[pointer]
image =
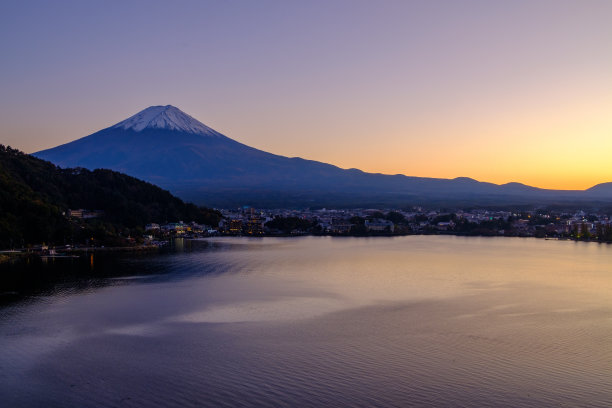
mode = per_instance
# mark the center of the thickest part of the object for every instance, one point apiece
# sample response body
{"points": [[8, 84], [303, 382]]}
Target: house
{"points": [[445, 225], [340, 226], [379, 225]]}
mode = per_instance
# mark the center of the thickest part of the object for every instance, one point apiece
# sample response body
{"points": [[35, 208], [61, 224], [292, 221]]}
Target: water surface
{"points": [[320, 321]]}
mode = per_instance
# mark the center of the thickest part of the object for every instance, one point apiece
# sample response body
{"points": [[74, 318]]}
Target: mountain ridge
{"points": [[167, 147]]}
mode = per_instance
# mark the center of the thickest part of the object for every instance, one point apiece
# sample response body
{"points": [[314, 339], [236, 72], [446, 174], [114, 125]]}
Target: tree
{"points": [[357, 220], [288, 224], [396, 217], [575, 232], [35, 195], [608, 232], [600, 232], [584, 231]]}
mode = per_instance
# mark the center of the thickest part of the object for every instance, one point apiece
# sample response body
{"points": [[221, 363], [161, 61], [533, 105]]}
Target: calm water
{"points": [[319, 321]]}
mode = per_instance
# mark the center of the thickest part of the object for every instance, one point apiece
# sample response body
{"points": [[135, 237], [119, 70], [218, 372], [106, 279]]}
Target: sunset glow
{"points": [[497, 91]]}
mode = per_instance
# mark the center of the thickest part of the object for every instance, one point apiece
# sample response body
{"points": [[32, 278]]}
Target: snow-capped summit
{"points": [[165, 117]]}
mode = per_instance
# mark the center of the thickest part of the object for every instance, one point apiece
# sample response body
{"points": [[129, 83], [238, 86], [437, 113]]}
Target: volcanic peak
{"points": [[165, 117]]}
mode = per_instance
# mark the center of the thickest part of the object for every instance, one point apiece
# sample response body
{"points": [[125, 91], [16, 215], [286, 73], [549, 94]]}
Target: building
{"points": [[235, 226], [255, 226], [379, 225], [340, 226], [84, 214], [152, 227]]}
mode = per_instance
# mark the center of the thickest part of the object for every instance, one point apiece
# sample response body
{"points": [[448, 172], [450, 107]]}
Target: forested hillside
{"points": [[35, 196]]}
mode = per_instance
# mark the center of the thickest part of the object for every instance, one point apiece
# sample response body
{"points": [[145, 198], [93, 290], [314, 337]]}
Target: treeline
{"points": [[288, 224], [35, 195]]}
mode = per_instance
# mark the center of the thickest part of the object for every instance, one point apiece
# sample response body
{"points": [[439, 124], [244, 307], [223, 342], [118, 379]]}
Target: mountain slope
{"points": [[600, 190], [34, 194], [169, 148]]}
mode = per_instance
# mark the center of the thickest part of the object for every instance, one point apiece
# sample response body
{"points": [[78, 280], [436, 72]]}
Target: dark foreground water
{"points": [[384, 322]]}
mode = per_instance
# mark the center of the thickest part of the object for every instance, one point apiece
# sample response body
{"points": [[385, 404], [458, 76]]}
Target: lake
{"points": [[418, 321]]}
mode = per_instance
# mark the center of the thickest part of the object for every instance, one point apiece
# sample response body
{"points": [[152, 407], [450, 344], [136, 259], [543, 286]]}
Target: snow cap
{"points": [[165, 117]]}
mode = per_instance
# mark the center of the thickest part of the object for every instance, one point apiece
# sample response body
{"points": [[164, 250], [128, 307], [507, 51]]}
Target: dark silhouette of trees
{"points": [[584, 231], [35, 196], [288, 224], [357, 220], [396, 217]]}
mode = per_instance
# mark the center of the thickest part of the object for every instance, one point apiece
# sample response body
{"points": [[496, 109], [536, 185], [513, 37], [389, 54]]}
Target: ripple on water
{"points": [[320, 322]]}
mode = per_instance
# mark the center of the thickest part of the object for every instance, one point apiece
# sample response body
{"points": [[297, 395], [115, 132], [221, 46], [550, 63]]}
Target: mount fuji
{"points": [[167, 147]]}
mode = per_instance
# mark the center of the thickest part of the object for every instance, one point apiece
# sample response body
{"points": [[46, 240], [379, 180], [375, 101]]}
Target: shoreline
{"points": [[136, 248], [407, 235], [11, 255]]}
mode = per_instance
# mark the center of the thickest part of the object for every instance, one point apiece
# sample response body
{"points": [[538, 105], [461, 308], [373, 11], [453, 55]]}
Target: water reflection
{"points": [[411, 321]]}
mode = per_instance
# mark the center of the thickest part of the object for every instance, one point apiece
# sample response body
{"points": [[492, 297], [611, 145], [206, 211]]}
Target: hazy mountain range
{"points": [[169, 148]]}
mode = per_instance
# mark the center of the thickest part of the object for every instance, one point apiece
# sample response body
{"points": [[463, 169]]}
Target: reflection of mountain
{"points": [[169, 148]]}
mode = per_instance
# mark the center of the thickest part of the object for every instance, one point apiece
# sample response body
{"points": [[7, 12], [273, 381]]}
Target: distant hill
{"points": [[600, 190], [34, 194], [169, 148]]}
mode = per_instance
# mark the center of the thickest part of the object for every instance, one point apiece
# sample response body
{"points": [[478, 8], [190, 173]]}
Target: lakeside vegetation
{"points": [[35, 196]]}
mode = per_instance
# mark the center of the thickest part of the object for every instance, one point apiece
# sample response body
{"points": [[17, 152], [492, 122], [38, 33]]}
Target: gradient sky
{"points": [[497, 91]]}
